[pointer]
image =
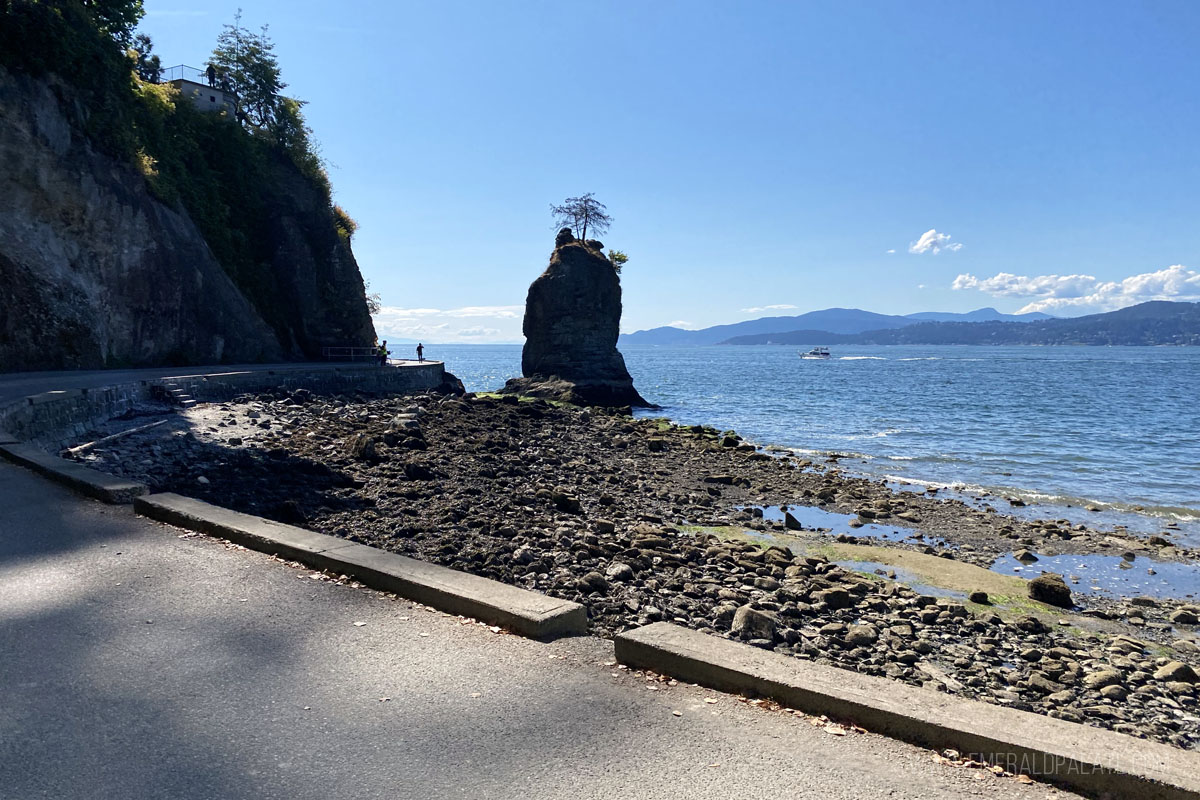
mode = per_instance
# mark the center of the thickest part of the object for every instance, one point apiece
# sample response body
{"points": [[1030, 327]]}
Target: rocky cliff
{"points": [[572, 320], [97, 271]]}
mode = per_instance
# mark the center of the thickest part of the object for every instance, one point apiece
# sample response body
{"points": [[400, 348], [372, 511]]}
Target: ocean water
{"points": [[1060, 427]]}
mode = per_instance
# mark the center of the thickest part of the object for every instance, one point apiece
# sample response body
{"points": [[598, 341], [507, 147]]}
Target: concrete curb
{"points": [[1073, 755], [528, 613], [91, 482]]}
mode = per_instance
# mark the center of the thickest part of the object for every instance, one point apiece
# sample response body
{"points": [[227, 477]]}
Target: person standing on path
{"points": [[420, 352], [383, 353]]}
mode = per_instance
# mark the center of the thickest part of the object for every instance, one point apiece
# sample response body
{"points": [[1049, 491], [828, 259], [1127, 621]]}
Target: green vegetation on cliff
{"points": [[233, 177]]}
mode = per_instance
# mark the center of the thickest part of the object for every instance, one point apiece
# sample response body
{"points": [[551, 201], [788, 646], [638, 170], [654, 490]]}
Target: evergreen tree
{"points": [[246, 65], [148, 66]]}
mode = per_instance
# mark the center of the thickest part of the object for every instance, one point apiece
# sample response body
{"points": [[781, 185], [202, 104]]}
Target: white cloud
{"points": [[681, 323], [893, 250], [933, 242], [502, 312], [1086, 291], [499, 312], [777, 307], [464, 324]]}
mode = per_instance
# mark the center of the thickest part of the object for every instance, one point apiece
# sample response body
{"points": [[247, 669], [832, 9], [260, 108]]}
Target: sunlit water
{"points": [[1061, 427]]}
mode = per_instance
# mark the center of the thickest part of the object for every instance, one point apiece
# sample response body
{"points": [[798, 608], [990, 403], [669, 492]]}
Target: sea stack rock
{"points": [[572, 320]]}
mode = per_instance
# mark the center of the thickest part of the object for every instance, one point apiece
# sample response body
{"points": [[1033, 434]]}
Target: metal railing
{"points": [[182, 72], [350, 353]]}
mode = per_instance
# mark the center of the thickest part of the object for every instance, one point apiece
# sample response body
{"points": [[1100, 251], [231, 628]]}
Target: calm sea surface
{"points": [[1061, 427]]}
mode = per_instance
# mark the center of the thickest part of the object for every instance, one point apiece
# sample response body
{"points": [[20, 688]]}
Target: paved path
{"points": [[15, 385], [138, 664]]}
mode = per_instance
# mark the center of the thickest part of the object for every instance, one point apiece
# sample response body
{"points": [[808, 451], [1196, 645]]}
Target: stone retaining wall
{"points": [[52, 419]]}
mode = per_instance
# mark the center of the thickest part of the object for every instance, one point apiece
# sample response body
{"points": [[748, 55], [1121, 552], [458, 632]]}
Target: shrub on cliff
{"points": [[346, 225], [618, 259]]}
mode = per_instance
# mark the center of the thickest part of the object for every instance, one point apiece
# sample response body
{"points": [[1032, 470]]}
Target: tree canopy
{"points": [[581, 213], [148, 66], [117, 18], [246, 64]]}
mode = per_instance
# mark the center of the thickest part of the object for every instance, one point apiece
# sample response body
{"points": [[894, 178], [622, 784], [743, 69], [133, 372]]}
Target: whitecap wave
{"points": [[877, 435], [912, 481], [1055, 500]]}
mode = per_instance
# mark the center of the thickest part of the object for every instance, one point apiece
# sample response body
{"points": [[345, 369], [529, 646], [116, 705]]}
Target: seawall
{"points": [[51, 418]]}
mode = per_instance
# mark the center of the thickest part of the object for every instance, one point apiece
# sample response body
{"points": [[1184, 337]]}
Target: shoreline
{"points": [[1103, 514], [639, 520]]}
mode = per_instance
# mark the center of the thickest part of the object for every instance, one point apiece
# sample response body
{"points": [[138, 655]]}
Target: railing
{"points": [[350, 353], [182, 72]]}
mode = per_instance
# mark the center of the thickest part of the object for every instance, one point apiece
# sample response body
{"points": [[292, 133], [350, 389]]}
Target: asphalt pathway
{"points": [[139, 661]]}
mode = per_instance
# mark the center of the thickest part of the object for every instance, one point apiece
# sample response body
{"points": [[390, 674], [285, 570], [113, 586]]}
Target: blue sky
{"points": [[891, 156]]}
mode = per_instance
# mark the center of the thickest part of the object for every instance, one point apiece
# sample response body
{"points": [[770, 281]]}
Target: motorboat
{"points": [[816, 352]]}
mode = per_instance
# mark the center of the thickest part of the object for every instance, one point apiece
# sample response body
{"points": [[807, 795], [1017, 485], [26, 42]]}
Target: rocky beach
{"points": [[642, 520]]}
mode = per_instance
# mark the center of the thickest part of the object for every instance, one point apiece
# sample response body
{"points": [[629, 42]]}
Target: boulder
{"points": [[1176, 672], [618, 571], [835, 598], [593, 582], [416, 471], [862, 635], [566, 502], [1184, 617], [1050, 588], [363, 447], [750, 623], [572, 320], [1101, 678]]}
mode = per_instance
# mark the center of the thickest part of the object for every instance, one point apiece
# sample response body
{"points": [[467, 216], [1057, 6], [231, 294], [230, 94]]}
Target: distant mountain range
{"points": [[830, 320], [1154, 323]]}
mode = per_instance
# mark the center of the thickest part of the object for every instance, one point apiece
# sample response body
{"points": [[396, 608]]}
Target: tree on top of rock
{"points": [[581, 213]]}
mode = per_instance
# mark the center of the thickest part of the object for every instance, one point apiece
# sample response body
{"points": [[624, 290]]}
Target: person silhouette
{"points": [[383, 353], [420, 352]]}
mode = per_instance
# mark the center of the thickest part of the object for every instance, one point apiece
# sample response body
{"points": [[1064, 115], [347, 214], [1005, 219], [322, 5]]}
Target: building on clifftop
{"points": [[203, 87]]}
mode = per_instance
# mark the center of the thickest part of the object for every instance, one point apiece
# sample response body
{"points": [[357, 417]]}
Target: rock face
{"points": [[95, 271], [572, 320]]}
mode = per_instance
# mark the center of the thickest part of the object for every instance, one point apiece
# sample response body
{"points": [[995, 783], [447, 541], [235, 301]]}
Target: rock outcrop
{"points": [[96, 271], [572, 320]]}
